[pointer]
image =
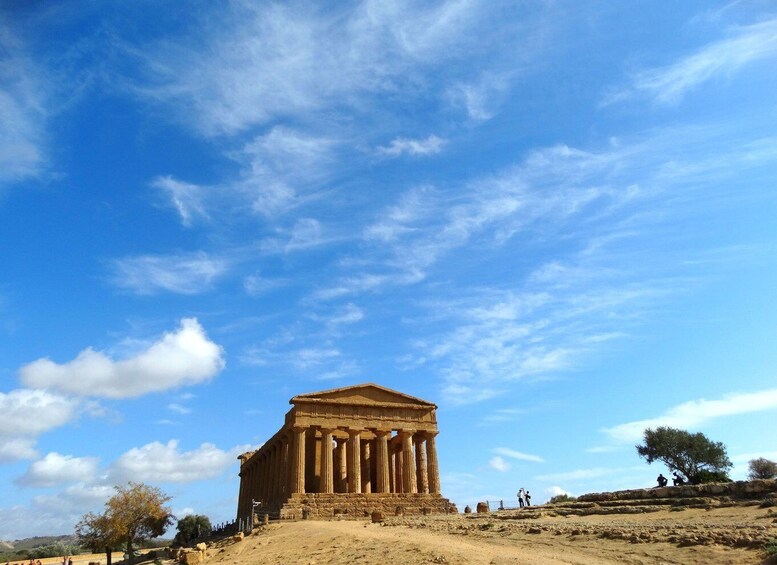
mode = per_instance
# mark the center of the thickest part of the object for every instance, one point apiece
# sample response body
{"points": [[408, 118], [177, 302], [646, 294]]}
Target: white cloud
{"points": [[669, 84], [50, 411], [56, 469], [186, 198], [26, 414], [14, 449], [399, 146], [183, 357], [190, 273], [695, 413], [512, 453], [166, 463], [499, 464], [550, 492], [183, 512]]}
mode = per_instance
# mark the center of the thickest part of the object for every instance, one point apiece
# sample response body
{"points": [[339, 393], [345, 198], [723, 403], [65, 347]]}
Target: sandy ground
{"points": [[491, 539]]}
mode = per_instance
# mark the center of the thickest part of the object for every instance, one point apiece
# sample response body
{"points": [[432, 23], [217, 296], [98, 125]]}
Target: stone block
{"points": [[482, 507]]}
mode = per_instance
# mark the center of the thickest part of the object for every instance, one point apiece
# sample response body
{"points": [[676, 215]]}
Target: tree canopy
{"points": [[694, 456], [762, 468], [190, 528], [136, 513]]}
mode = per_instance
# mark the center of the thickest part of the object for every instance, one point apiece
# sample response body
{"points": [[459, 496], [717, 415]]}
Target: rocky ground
{"points": [[704, 524], [727, 534]]}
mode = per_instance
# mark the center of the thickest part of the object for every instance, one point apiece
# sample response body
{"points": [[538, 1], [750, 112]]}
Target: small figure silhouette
{"points": [[677, 480], [662, 480]]}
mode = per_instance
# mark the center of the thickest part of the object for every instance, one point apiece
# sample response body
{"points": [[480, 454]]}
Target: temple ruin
{"points": [[346, 452]]}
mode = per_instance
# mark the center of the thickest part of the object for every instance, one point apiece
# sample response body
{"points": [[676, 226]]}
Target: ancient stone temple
{"points": [[347, 451]]}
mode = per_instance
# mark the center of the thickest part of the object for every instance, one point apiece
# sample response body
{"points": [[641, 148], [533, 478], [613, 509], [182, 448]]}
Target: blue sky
{"points": [[556, 220]]}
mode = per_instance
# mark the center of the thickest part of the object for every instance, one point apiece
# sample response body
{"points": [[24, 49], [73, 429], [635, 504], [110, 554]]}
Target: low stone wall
{"points": [[359, 505], [737, 490]]}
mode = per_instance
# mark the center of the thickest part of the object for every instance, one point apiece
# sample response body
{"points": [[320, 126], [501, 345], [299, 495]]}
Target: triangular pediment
{"points": [[368, 393]]}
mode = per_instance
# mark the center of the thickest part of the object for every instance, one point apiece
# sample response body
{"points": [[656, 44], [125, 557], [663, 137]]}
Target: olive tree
{"points": [[694, 456], [136, 513], [762, 469], [94, 532], [192, 527]]}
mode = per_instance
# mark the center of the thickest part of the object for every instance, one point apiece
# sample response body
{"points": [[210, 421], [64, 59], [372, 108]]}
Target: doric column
{"points": [[263, 478], [382, 461], [298, 460], [431, 463], [408, 463], [279, 467], [326, 480], [341, 467], [271, 462], [366, 463], [284, 474], [422, 478], [354, 463], [398, 486]]}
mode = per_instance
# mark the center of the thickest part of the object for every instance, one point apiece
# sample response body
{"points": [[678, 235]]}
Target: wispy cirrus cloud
{"points": [[187, 199], [481, 98], [666, 85], [266, 61], [594, 204], [581, 474], [403, 146], [518, 455], [186, 273], [23, 112], [695, 413]]}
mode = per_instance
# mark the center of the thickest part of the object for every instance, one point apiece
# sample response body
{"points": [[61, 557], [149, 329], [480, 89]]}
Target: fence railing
{"points": [[494, 505]]}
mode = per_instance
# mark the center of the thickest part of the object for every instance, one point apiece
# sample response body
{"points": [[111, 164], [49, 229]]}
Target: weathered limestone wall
{"points": [[736, 490], [321, 506]]}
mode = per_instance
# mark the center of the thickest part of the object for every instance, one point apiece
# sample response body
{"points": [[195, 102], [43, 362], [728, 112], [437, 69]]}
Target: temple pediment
{"points": [[368, 393]]}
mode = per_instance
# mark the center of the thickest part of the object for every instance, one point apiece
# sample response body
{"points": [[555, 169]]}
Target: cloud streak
{"points": [[668, 85], [192, 273], [696, 413]]}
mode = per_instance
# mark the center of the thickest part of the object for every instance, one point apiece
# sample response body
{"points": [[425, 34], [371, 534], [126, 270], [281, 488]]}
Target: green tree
{"points": [[136, 513], [692, 455], [762, 469], [190, 528], [95, 532]]}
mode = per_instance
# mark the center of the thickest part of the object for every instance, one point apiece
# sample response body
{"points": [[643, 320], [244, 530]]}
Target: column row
{"points": [[301, 460], [406, 463]]}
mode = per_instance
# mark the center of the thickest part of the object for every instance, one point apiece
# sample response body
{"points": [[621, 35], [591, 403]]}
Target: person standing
{"points": [[521, 494], [527, 496]]}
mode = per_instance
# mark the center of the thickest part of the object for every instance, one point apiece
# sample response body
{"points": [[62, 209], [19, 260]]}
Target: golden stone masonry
{"points": [[347, 452]]}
